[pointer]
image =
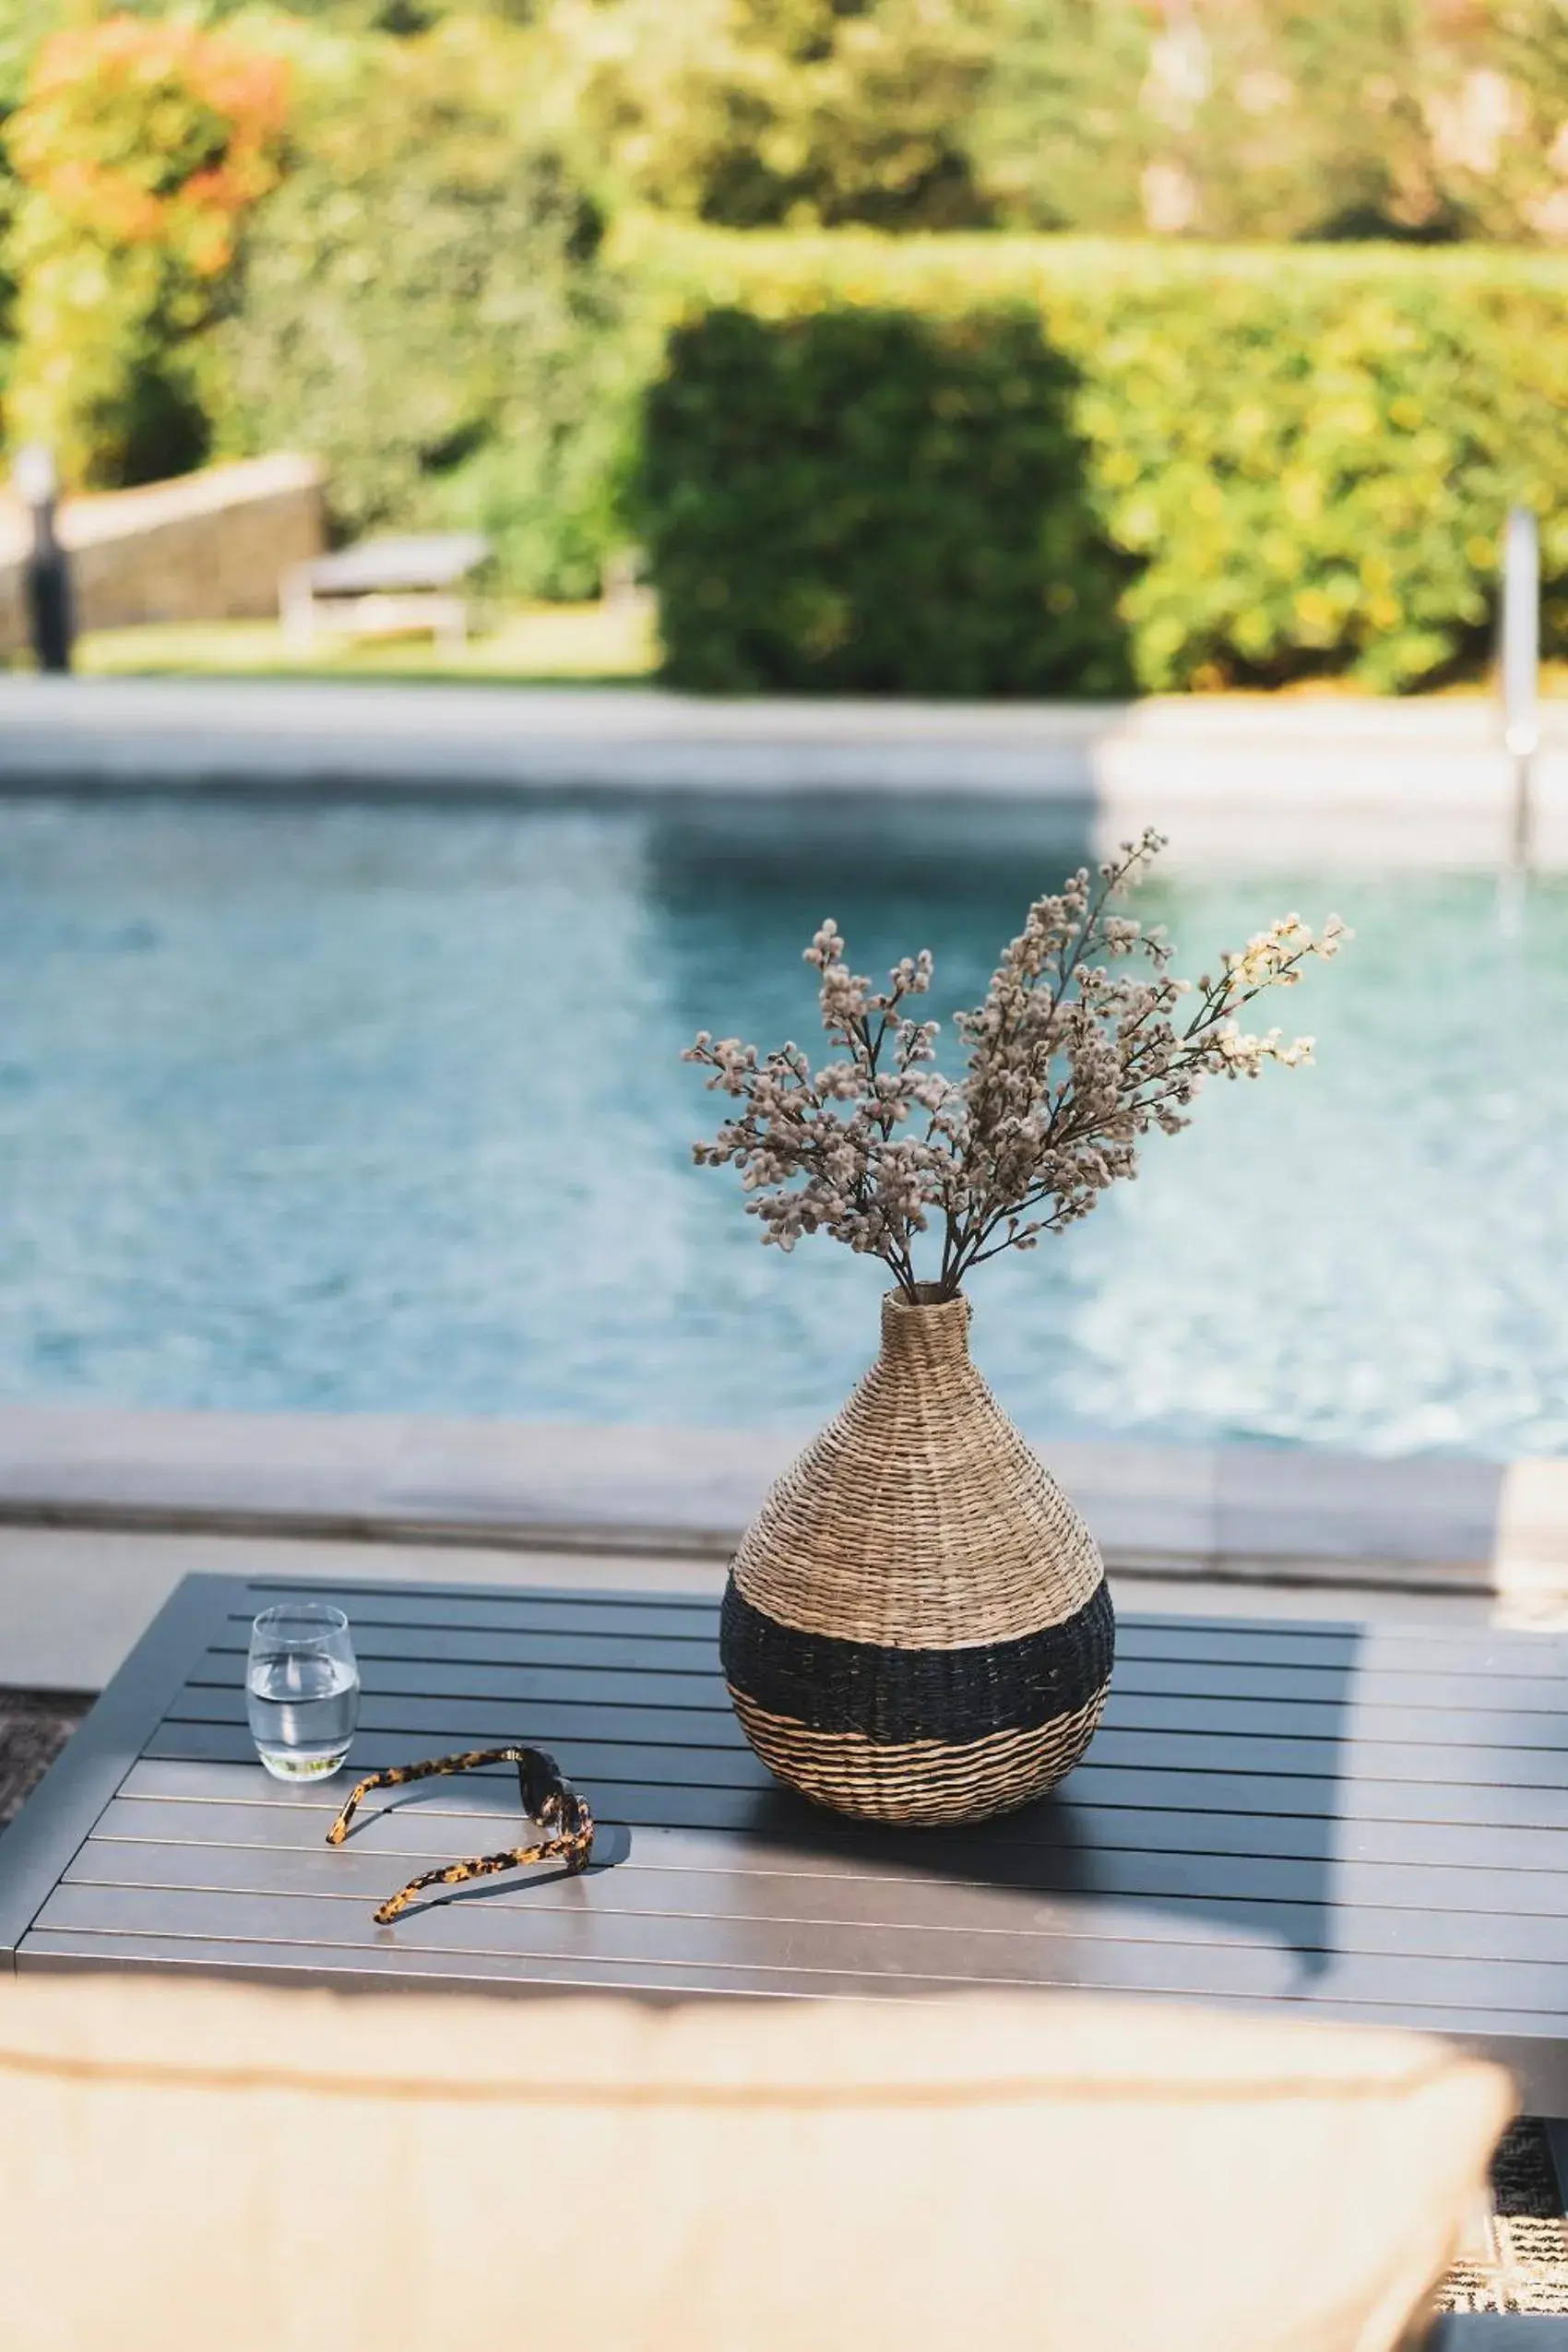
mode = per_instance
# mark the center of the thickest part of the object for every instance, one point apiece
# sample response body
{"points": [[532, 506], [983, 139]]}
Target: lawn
{"points": [[538, 644], [533, 645]]}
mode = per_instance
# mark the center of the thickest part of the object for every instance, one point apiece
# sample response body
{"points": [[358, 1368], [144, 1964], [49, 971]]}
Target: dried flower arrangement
{"points": [[1070, 1064]]}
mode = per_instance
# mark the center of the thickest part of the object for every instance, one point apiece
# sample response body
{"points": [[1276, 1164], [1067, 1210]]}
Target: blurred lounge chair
{"points": [[189, 2166]]}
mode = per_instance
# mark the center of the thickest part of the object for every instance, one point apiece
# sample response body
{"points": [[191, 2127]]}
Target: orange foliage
{"points": [[140, 131]]}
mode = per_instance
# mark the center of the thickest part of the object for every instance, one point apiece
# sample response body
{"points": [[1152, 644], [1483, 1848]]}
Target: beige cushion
{"points": [[191, 2168]]}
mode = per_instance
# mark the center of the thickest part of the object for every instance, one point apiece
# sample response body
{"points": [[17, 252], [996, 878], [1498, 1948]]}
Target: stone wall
{"points": [[211, 546]]}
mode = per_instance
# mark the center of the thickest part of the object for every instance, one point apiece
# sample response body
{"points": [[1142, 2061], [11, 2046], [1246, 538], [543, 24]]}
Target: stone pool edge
{"points": [[1416, 783], [1242, 1514]]}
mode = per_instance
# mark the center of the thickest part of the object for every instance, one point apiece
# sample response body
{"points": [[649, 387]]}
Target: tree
{"points": [[1265, 119], [139, 146], [756, 112], [421, 305]]}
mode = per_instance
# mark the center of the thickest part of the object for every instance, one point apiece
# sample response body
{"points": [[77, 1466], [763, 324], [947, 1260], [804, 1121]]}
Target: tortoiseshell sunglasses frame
{"points": [[547, 1796]]}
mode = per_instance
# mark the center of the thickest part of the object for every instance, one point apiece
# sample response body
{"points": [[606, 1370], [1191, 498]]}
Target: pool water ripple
{"points": [[370, 1108]]}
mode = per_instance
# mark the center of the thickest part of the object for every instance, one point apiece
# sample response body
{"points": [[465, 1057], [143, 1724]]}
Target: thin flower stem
{"points": [[1070, 1066]]}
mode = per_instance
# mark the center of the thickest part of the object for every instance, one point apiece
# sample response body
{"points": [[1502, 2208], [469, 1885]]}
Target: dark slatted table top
{"points": [[1367, 1821]]}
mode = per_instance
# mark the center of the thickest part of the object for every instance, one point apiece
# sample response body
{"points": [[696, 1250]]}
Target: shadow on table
{"points": [[1216, 1806], [1205, 1820]]}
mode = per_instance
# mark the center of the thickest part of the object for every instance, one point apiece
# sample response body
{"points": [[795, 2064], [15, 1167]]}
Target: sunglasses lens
{"points": [[538, 1781]]}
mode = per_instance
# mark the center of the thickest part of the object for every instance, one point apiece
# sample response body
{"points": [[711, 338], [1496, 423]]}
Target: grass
{"points": [[538, 644], [578, 644]]}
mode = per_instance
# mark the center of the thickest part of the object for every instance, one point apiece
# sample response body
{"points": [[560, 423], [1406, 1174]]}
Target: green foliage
{"points": [[864, 500], [756, 112], [402, 18], [1247, 463], [140, 145], [1059, 139], [1347, 118], [420, 306], [24, 24], [1254, 119], [1303, 455]]}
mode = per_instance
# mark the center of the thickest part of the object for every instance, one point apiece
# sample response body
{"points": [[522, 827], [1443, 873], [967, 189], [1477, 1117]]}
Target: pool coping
{"points": [[1240, 1513], [1416, 783]]}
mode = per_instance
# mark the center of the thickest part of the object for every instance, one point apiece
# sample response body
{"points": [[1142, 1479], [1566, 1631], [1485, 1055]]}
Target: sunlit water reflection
{"points": [[382, 1109]]}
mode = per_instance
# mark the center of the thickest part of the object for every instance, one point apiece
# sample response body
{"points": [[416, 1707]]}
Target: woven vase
{"points": [[917, 1626]]}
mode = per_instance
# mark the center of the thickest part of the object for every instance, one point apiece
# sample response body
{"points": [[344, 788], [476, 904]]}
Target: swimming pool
{"points": [[380, 1107]]}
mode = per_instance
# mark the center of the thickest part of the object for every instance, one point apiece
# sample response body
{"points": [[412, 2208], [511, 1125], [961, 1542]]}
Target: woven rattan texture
{"points": [[923, 1783], [918, 1628], [1522, 2264], [919, 1517], [897, 1696]]}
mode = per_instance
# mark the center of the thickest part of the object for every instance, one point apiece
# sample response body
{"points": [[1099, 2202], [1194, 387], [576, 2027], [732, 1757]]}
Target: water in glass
{"points": [[301, 1690]]}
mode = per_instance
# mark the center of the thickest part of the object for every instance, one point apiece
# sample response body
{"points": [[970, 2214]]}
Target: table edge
{"points": [[60, 1812]]}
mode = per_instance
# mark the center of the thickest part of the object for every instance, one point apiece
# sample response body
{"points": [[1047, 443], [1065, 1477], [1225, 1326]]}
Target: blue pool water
{"points": [[382, 1109]]}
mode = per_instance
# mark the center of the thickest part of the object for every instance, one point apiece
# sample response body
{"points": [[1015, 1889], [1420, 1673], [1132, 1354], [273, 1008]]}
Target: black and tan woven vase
{"points": [[917, 1626]]}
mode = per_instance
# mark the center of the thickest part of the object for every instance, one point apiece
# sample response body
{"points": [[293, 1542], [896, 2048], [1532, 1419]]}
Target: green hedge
{"points": [[863, 501], [1300, 457]]}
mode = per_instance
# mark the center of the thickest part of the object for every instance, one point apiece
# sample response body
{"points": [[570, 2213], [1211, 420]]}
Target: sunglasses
{"points": [[547, 1798]]}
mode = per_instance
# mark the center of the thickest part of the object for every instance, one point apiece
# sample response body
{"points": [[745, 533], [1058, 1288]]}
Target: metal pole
{"points": [[48, 580], [1521, 666]]}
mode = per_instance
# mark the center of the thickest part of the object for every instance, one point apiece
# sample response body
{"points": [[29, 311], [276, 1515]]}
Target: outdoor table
{"points": [[1351, 1821]]}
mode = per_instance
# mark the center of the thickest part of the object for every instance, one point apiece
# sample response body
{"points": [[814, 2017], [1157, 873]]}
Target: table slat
{"points": [[234, 1812], [1360, 1821]]}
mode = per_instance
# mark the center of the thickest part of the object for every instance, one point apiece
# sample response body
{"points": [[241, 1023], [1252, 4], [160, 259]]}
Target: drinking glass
{"points": [[301, 1690]]}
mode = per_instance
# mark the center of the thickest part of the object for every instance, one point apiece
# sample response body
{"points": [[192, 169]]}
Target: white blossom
{"points": [[1070, 1064]]}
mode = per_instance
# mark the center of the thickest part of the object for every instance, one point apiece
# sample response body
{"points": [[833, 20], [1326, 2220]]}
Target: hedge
{"points": [[928, 518], [1301, 456]]}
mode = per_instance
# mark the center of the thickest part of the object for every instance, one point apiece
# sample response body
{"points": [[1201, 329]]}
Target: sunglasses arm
{"points": [[546, 1799], [400, 1776], [572, 1849]]}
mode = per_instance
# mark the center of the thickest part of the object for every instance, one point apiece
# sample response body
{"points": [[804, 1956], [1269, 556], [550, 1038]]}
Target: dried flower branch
{"points": [[1070, 1064]]}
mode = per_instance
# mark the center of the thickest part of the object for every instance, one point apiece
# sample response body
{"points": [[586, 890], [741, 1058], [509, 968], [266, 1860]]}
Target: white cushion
{"points": [[197, 2168]]}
